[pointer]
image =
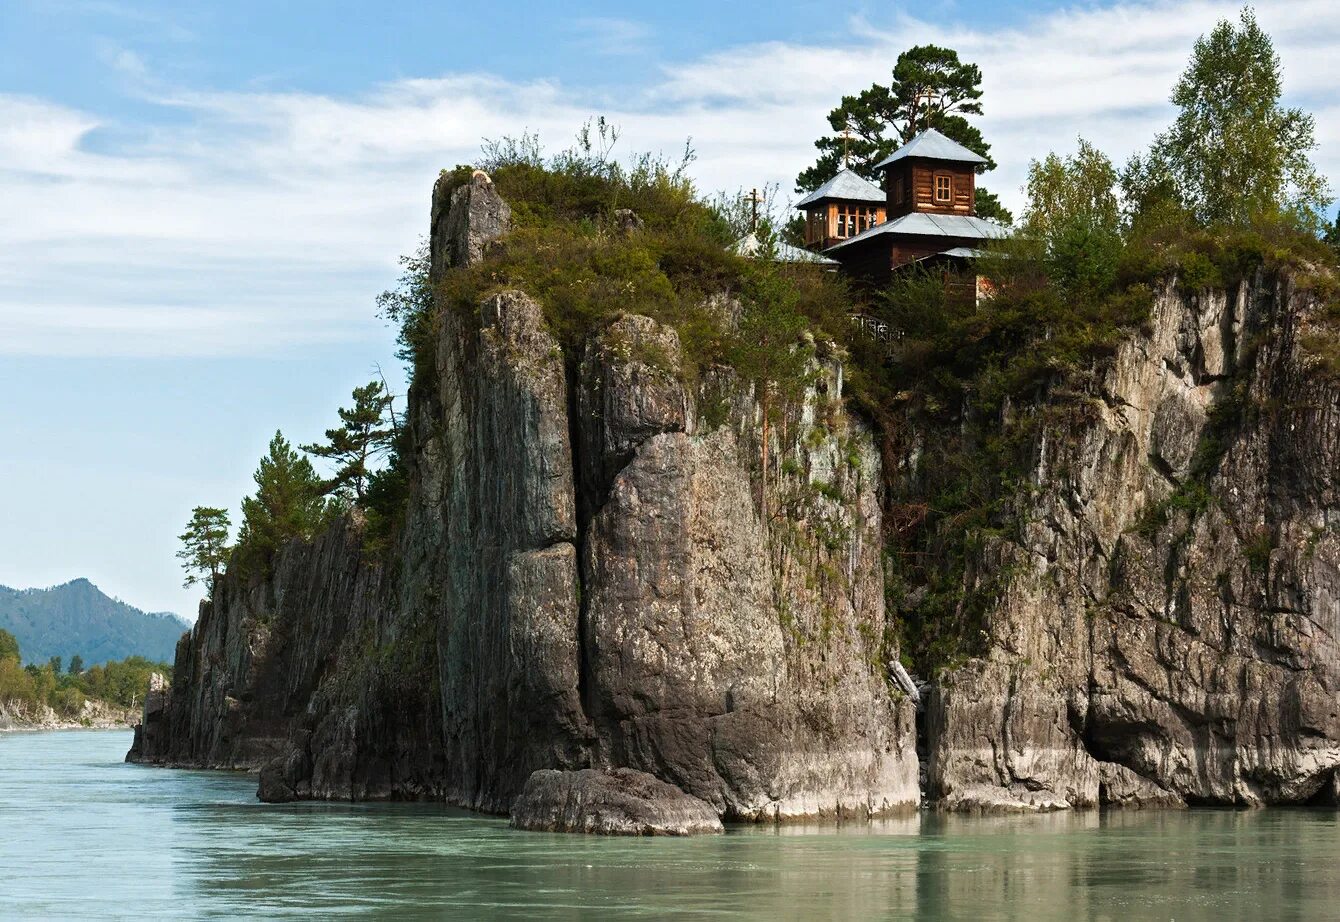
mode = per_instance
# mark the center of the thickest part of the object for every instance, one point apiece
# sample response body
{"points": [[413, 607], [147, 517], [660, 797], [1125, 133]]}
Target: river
{"points": [[85, 836]]}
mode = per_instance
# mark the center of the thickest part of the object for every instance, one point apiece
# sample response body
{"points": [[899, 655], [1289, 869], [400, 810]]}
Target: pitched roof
{"points": [[749, 245], [921, 224], [848, 186], [933, 146], [963, 253]]}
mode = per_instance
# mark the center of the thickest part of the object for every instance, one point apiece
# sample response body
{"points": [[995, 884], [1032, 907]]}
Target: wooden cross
{"points": [[754, 200]]}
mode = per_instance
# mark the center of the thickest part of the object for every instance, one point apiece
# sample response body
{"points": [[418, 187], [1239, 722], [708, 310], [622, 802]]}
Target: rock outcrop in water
{"points": [[621, 802], [586, 580]]}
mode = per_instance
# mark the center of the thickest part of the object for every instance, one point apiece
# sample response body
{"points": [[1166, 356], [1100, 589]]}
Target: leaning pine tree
{"points": [[366, 434], [204, 545]]}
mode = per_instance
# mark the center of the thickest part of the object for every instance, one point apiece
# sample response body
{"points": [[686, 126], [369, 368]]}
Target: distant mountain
{"points": [[78, 618]]}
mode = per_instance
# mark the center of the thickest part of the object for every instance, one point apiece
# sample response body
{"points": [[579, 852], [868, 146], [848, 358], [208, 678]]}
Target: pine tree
{"points": [[204, 544], [365, 435], [9, 646], [76, 665], [930, 88], [288, 504]]}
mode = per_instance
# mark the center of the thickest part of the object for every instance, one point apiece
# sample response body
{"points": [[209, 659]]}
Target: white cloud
{"points": [[280, 214]]}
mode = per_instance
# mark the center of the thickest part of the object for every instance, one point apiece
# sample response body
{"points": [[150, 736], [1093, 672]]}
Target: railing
{"points": [[872, 327]]}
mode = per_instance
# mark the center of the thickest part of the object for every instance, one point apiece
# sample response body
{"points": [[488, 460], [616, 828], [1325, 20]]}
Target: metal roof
{"points": [[921, 224], [933, 146], [847, 186], [963, 253], [749, 245]]}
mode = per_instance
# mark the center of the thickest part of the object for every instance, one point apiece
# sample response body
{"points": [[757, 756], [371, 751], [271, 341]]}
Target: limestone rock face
{"points": [[464, 221], [722, 646], [150, 727], [593, 574], [1167, 632], [621, 802]]}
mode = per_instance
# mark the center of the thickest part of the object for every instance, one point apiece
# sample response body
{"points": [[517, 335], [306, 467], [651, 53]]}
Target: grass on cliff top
{"points": [[568, 250]]}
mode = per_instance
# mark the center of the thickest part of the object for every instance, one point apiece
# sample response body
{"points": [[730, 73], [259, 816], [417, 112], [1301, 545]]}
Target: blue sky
{"points": [[202, 199]]}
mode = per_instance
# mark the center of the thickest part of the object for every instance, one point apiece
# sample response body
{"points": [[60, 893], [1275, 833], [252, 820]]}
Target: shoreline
{"points": [[69, 725], [96, 715]]}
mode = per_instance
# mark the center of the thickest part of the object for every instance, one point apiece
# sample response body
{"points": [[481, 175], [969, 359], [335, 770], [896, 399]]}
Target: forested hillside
{"points": [[78, 619]]}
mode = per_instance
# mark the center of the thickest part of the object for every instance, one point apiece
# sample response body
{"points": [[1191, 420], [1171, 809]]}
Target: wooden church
{"points": [[924, 214]]}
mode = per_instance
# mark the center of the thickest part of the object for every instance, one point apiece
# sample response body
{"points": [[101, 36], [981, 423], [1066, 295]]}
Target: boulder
{"points": [[621, 802]]}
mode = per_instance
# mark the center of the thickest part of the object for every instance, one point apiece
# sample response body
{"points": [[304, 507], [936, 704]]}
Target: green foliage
{"points": [[288, 504], [767, 350], [76, 664], [366, 434], [9, 647], [121, 684], [1233, 152], [387, 496], [1332, 236], [204, 544], [929, 87], [987, 205], [1074, 219], [409, 306], [1167, 242], [567, 251]]}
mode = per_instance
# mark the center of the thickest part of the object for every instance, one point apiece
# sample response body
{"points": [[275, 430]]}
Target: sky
{"points": [[199, 201]]}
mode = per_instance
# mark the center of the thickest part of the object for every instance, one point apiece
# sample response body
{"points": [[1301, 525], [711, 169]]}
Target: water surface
{"points": [[83, 836]]}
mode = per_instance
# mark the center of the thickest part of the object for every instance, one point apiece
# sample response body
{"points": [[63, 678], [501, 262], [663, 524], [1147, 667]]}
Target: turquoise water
{"points": [[84, 836]]}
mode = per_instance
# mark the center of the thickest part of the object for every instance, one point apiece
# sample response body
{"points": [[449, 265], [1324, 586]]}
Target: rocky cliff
{"points": [[1165, 629], [594, 572], [597, 570]]}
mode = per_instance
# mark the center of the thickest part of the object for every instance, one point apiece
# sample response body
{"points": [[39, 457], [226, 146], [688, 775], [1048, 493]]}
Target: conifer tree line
{"points": [[293, 501]]}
